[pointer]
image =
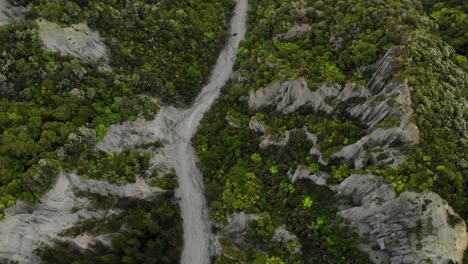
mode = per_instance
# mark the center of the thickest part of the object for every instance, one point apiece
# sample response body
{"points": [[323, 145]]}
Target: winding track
{"points": [[197, 235]]}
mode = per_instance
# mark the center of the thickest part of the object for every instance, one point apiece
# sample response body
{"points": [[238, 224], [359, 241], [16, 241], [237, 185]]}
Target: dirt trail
{"points": [[197, 235]]}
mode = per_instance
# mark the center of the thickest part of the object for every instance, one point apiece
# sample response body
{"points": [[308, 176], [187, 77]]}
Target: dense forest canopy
{"points": [[55, 108]]}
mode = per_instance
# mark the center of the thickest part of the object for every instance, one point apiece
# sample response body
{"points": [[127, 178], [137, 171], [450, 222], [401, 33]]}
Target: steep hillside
{"points": [[342, 117]]}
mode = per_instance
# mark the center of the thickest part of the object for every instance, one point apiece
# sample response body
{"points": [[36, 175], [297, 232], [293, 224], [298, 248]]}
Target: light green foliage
{"points": [[452, 18], [275, 260], [340, 173], [241, 191], [314, 167], [273, 170], [256, 157], [166, 48], [307, 202], [115, 168], [277, 202]]}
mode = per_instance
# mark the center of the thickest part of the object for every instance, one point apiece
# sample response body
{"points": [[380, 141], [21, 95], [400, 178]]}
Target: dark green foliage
{"points": [[153, 145], [439, 163], [55, 108], [345, 35], [239, 176], [452, 18], [168, 181], [167, 47]]}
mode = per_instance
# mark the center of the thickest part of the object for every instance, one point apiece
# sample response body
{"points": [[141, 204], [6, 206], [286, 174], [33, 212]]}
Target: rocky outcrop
{"points": [[288, 239], [77, 40], [383, 106], [288, 96], [382, 97], [256, 125], [9, 10], [409, 228], [175, 128], [295, 31], [237, 224], [304, 173], [128, 134], [357, 155], [24, 227]]}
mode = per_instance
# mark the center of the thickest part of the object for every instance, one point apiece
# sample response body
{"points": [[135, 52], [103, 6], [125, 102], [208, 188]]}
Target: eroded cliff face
{"points": [[382, 98], [406, 228]]}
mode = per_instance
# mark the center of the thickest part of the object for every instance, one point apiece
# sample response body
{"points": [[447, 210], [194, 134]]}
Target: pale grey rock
{"points": [[256, 125], [410, 228], [351, 91], [106, 239], [138, 190], [235, 229], [77, 40], [288, 96], [296, 30], [383, 98], [275, 140], [9, 10], [231, 123], [356, 154], [238, 223], [285, 237], [128, 134], [304, 173], [279, 140], [393, 99], [24, 227], [175, 128]]}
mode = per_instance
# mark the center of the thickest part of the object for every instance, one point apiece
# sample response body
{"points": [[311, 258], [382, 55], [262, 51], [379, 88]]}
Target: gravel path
{"points": [[197, 234]]}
